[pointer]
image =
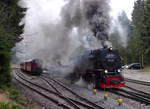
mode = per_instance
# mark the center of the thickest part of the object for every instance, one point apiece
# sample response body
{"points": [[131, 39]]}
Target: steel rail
{"points": [[42, 94], [142, 93], [137, 81], [50, 91], [136, 94], [83, 98], [131, 95], [76, 101], [71, 100]]}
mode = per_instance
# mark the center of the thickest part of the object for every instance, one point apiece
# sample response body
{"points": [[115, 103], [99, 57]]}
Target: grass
{"points": [[9, 106], [14, 96]]}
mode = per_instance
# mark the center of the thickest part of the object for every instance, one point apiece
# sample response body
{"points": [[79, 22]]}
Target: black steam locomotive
{"points": [[101, 68]]}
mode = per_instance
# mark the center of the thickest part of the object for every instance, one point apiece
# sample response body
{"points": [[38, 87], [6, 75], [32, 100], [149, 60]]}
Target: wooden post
{"points": [[142, 59]]}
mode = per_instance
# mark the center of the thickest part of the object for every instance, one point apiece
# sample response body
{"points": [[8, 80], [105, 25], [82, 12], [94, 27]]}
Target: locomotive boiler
{"points": [[101, 68]]}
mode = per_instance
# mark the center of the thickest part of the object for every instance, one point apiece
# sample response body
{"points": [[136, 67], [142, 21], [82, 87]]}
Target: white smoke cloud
{"points": [[117, 7], [122, 31], [55, 30]]}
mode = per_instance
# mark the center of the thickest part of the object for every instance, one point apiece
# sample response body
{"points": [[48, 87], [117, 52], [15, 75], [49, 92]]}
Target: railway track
{"points": [[55, 95], [127, 92], [62, 89], [134, 94], [138, 82]]}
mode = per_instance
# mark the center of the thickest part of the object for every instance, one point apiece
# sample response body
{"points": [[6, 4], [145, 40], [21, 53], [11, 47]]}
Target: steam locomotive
{"points": [[32, 67], [101, 67]]}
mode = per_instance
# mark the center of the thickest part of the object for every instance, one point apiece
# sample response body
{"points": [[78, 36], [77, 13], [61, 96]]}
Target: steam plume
{"points": [[91, 14], [55, 35]]}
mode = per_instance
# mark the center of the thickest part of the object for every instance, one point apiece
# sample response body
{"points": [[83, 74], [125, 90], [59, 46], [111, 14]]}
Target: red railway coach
{"points": [[32, 67]]}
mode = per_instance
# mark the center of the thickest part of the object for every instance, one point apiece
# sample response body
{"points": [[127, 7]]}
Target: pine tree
{"points": [[140, 42], [10, 16]]}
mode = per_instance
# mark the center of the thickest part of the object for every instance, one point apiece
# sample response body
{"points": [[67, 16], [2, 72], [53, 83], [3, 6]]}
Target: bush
{"points": [[14, 95], [9, 106]]}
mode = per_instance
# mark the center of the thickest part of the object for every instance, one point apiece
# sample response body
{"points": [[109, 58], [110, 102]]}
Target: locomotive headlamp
{"points": [[119, 70], [106, 71], [110, 48]]}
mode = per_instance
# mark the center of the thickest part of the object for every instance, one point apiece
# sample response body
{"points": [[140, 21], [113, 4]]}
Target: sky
{"points": [[119, 5], [55, 6]]}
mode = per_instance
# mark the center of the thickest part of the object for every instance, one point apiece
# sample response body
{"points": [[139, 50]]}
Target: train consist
{"points": [[33, 67], [101, 68]]}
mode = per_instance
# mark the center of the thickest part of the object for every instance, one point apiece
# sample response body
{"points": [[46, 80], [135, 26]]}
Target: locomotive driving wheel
{"points": [[91, 80]]}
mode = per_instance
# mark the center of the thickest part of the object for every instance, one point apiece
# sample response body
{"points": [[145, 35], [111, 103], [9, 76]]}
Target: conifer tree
{"points": [[10, 16]]}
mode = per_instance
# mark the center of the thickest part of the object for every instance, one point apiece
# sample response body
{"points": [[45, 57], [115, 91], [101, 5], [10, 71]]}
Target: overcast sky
{"points": [[119, 5], [55, 6]]}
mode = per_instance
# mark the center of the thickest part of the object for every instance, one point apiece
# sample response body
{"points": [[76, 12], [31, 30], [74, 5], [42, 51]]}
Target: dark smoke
{"points": [[77, 26], [91, 14], [87, 14], [98, 18]]}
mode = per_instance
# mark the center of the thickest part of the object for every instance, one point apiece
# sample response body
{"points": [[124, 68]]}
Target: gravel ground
{"points": [[42, 102], [28, 94], [82, 88], [87, 92], [137, 75], [139, 87]]}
